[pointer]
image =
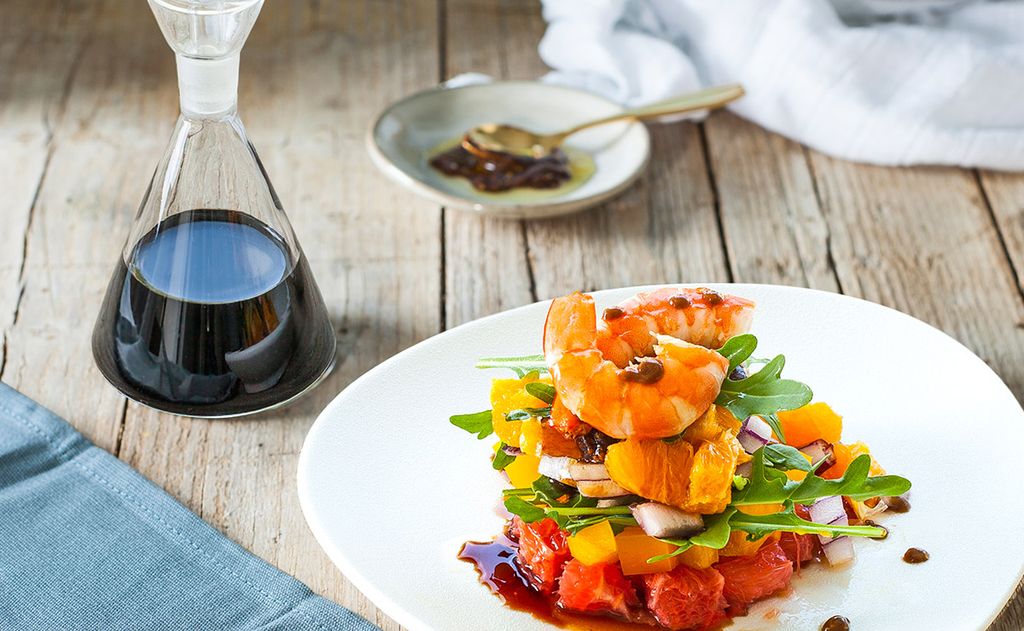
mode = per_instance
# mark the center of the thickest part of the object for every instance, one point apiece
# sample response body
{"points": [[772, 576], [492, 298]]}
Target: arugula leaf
{"points": [[766, 484], [524, 413], [618, 524], [716, 530], [522, 366], [501, 459], [785, 457], [541, 391], [776, 425], [770, 485], [478, 423], [525, 510], [757, 526], [737, 349], [763, 392], [855, 484], [715, 535], [552, 491]]}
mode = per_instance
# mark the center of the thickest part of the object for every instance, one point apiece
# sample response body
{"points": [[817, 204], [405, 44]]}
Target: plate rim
{"points": [[409, 620], [513, 210]]}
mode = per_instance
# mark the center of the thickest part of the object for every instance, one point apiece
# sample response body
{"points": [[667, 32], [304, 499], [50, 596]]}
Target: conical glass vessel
{"points": [[212, 310]]}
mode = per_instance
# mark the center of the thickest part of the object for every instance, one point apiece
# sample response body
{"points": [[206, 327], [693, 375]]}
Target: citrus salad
{"points": [[660, 473]]}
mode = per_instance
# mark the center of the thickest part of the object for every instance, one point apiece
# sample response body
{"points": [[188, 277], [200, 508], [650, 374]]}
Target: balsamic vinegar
{"points": [[204, 318]]}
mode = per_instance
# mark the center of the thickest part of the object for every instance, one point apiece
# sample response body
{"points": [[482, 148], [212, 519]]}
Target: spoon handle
{"points": [[709, 98]]}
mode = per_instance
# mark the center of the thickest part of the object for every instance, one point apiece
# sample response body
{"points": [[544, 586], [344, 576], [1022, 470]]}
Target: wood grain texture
{"points": [[486, 265], [110, 108], [772, 221], [312, 76]]}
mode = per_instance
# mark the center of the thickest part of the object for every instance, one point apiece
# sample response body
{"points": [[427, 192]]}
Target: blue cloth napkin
{"points": [[88, 543]]}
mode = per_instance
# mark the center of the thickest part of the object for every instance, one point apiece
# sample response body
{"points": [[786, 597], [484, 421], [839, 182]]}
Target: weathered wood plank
{"points": [[773, 225], [486, 266], [313, 75], [110, 101], [662, 230]]}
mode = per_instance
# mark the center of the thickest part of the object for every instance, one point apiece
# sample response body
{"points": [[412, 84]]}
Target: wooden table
{"points": [[87, 100]]}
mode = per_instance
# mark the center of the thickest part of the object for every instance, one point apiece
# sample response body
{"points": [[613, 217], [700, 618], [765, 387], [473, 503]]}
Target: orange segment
{"points": [[522, 472], [845, 454], [634, 547], [805, 425]]}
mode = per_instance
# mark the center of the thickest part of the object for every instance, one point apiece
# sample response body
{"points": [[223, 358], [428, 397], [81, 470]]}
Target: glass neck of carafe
{"points": [[208, 88]]}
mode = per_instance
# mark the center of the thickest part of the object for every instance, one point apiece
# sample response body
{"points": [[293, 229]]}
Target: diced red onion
{"points": [[659, 520], [511, 451], [754, 434], [830, 511], [746, 469], [821, 453], [556, 467], [838, 551], [587, 471], [622, 500]]}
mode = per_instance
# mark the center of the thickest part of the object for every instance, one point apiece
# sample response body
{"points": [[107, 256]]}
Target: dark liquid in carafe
{"points": [[212, 317]]}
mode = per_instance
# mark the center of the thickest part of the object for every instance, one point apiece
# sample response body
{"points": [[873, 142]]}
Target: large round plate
{"points": [[391, 490], [409, 132]]}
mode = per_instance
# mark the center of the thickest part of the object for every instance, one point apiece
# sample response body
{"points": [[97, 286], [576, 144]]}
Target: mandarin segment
{"points": [[809, 423]]}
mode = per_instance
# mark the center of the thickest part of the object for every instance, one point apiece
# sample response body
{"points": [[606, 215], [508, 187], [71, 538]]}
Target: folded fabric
{"points": [[88, 543], [857, 79]]}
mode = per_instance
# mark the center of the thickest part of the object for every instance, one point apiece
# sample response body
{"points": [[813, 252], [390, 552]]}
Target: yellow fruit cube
{"points": [[634, 547], [699, 557], [523, 470], [594, 544]]}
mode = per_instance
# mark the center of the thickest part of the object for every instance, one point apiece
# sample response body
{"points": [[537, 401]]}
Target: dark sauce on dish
{"points": [[495, 561], [885, 533], [497, 171], [897, 504], [915, 555], [836, 623]]}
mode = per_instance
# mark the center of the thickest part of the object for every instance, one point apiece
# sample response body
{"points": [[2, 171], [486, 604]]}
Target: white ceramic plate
{"points": [[391, 490], [410, 131]]}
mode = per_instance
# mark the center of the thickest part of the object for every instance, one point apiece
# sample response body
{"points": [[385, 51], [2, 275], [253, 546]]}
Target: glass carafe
{"points": [[212, 310]]}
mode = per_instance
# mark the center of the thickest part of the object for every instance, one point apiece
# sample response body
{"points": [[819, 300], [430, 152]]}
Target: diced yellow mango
{"points": [[634, 547], [699, 557], [594, 544], [523, 470], [508, 395]]}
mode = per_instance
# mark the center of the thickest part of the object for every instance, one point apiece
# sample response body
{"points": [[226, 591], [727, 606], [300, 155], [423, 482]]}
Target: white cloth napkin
{"points": [[867, 80]]}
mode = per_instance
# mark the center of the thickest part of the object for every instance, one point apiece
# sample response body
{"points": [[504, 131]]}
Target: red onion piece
{"points": [[830, 511], [659, 520], [820, 452], [754, 434]]}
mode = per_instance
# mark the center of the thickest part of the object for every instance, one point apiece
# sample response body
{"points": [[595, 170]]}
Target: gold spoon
{"points": [[511, 139]]}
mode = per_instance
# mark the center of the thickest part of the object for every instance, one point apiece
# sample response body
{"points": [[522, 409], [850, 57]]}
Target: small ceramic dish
{"points": [[407, 134]]}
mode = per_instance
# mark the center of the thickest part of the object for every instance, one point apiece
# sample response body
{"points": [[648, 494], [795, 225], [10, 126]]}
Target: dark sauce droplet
{"points": [[885, 531], [646, 370], [613, 313], [836, 623], [897, 504], [915, 555], [679, 302], [711, 298]]}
